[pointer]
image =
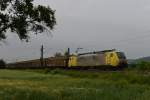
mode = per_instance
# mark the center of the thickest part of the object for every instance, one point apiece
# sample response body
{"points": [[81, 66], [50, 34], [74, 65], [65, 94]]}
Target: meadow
{"points": [[74, 85]]}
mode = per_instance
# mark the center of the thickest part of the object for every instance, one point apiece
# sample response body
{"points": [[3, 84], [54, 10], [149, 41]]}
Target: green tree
{"points": [[23, 17], [2, 63]]}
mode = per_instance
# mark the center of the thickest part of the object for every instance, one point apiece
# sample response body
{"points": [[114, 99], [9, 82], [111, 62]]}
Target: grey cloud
{"points": [[91, 24]]}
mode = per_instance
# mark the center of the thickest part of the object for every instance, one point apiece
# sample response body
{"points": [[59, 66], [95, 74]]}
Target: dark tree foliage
{"points": [[22, 17], [2, 63], [58, 54]]}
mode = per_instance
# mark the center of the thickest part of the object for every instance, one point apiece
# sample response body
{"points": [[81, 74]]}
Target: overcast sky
{"points": [[90, 24]]}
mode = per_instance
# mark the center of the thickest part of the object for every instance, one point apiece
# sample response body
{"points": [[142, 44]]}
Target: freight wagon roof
{"points": [[28, 61], [38, 60]]}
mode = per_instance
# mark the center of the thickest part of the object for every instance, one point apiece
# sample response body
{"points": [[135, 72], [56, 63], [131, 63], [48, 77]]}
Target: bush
{"points": [[2, 63], [141, 65]]}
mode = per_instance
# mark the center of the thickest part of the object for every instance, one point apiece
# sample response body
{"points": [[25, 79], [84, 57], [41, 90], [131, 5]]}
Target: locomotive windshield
{"points": [[121, 55]]}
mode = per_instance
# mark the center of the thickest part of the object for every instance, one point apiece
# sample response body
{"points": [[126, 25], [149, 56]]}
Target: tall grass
{"points": [[10, 93], [73, 85]]}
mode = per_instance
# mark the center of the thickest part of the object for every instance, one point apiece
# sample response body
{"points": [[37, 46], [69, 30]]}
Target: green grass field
{"points": [[74, 85]]}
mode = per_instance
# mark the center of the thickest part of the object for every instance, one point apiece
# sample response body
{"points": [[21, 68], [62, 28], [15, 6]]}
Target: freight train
{"points": [[98, 59]]}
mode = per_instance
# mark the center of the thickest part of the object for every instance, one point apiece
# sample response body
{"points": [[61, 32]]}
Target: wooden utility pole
{"points": [[42, 57]]}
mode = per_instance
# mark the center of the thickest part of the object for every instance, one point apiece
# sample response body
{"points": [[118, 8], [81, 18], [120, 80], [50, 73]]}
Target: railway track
{"points": [[91, 69]]}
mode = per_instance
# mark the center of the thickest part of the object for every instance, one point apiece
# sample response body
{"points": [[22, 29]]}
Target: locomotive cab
{"points": [[122, 59], [115, 59]]}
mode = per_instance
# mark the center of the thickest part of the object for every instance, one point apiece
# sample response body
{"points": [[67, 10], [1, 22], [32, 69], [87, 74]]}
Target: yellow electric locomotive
{"points": [[110, 58]]}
